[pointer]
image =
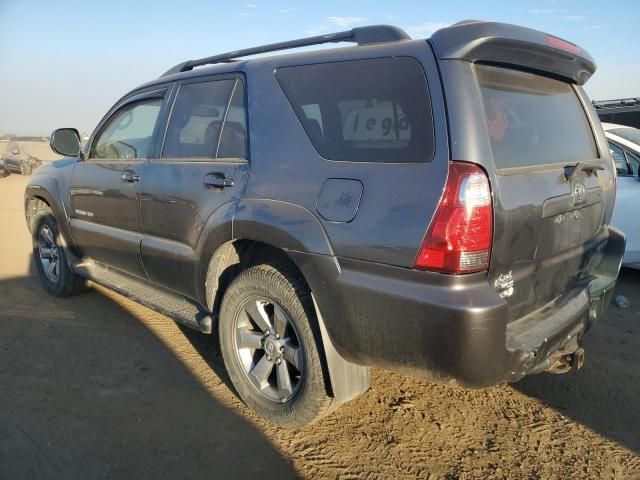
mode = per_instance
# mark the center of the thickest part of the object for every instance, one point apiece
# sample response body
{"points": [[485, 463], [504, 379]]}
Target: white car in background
{"points": [[624, 145]]}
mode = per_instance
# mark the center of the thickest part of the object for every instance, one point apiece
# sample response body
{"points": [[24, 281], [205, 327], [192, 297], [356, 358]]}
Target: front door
{"points": [[105, 187], [202, 168]]}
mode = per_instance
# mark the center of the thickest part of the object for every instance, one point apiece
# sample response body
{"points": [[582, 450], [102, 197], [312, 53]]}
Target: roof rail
{"points": [[620, 102], [361, 36]]}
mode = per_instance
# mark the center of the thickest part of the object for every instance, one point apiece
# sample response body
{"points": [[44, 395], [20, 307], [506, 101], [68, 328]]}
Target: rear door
{"points": [[202, 167], [549, 187]]}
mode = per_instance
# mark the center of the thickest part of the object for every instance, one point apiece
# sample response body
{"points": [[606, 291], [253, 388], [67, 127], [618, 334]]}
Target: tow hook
{"points": [[567, 362]]}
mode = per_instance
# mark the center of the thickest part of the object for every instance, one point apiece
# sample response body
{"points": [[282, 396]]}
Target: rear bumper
{"points": [[451, 329]]}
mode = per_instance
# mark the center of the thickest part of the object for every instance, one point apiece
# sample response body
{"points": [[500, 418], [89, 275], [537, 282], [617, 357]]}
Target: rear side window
{"points": [[207, 121], [374, 110], [619, 160], [533, 120], [634, 163]]}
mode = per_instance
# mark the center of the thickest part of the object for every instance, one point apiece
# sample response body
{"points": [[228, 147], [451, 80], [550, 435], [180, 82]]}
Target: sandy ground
{"points": [[97, 386]]}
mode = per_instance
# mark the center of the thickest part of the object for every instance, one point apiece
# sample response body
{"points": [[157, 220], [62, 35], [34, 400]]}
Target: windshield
{"points": [[533, 120], [630, 134]]}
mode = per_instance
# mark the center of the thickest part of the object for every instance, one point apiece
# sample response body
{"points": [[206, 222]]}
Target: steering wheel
{"points": [[120, 152]]}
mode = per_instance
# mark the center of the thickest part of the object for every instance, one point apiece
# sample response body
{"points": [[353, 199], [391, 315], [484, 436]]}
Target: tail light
{"points": [[563, 45], [460, 235]]}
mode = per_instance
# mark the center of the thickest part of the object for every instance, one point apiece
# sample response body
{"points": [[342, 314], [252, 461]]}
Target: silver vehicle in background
{"points": [[624, 145]]}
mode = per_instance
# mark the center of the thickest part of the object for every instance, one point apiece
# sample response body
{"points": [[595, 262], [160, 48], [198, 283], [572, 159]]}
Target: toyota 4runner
{"points": [[435, 207]]}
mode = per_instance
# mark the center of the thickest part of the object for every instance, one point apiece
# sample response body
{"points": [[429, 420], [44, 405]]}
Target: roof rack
{"points": [[617, 103], [361, 36]]}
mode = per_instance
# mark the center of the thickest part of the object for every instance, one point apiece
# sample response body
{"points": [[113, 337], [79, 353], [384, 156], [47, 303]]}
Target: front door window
{"points": [[129, 133]]}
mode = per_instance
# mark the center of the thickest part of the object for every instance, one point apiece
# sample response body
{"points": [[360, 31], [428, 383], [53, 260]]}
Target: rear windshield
{"points": [[630, 134], [375, 110], [533, 120]]}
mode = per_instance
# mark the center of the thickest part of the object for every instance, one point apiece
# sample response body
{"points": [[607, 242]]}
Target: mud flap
{"points": [[348, 380]]}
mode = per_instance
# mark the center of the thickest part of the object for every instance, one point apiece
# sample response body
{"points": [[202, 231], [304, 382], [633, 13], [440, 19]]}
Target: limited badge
{"points": [[504, 284]]}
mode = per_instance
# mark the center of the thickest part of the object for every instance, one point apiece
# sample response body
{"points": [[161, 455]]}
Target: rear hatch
{"points": [[516, 108], [548, 188]]}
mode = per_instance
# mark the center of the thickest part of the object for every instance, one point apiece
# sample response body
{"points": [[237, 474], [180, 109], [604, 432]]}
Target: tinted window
{"points": [[634, 162], [197, 128], [364, 110], [533, 120], [128, 133], [233, 139], [617, 154]]}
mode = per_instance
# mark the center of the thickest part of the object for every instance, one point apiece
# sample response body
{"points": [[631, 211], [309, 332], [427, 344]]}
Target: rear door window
{"points": [[374, 110], [207, 121], [533, 120]]}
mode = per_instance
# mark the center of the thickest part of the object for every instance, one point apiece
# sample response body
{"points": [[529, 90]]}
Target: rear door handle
{"points": [[130, 176], [218, 181]]}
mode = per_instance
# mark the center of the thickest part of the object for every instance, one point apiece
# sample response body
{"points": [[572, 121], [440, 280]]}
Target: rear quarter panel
{"points": [[398, 200]]}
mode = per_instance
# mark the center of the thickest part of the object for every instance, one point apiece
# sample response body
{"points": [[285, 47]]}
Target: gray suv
{"points": [[434, 207]]}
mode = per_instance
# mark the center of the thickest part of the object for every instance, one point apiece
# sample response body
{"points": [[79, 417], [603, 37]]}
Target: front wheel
{"points": [[270, 345], [48, 254]]}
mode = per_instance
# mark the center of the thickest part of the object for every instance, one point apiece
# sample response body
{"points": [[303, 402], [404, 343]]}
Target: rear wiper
{"points": [[571, 171]]}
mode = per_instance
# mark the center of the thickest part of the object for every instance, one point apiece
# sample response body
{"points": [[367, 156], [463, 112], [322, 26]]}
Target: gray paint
{"points": [[376, 309], [339, 199]]}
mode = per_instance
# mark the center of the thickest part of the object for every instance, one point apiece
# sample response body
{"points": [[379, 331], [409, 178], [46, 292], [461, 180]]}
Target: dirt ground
{"points": [[97, 386]]}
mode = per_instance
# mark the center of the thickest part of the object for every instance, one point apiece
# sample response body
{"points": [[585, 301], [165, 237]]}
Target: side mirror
{"points": [[65, 141]]}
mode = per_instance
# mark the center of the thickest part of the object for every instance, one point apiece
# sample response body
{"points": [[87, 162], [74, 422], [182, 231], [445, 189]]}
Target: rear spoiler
{"points": [[502, 43]]}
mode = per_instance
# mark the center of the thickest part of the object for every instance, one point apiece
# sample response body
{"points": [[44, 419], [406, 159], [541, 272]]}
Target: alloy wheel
{"points": [[269, 349], [49, 254]]}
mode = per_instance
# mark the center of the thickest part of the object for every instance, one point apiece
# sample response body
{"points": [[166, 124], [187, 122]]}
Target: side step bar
{"points": [[174, 306]]}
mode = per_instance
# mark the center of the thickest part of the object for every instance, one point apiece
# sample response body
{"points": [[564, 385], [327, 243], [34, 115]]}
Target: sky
{"points": [[64, 63]]}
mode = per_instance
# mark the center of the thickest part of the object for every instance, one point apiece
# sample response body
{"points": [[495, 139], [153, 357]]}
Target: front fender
{"points": [[47, 188]]}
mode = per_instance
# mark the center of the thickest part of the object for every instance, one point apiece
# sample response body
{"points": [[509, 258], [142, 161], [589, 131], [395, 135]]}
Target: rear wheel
{"points": [[269, 341], [49, 256]]}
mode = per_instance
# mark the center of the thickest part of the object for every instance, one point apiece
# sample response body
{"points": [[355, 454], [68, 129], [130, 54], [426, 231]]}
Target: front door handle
{"points": [[218, 181], [129, 176]]}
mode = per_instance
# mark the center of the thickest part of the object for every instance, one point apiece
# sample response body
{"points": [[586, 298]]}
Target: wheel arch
{"points": [[45, 189], [346, 380]]}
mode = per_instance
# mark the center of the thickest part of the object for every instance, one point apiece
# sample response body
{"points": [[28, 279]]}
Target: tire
{"points": [[60, 281], [276, 293]]}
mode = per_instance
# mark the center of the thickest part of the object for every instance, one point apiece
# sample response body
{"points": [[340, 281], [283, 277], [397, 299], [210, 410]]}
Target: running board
{"points": [[174, 306]]}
